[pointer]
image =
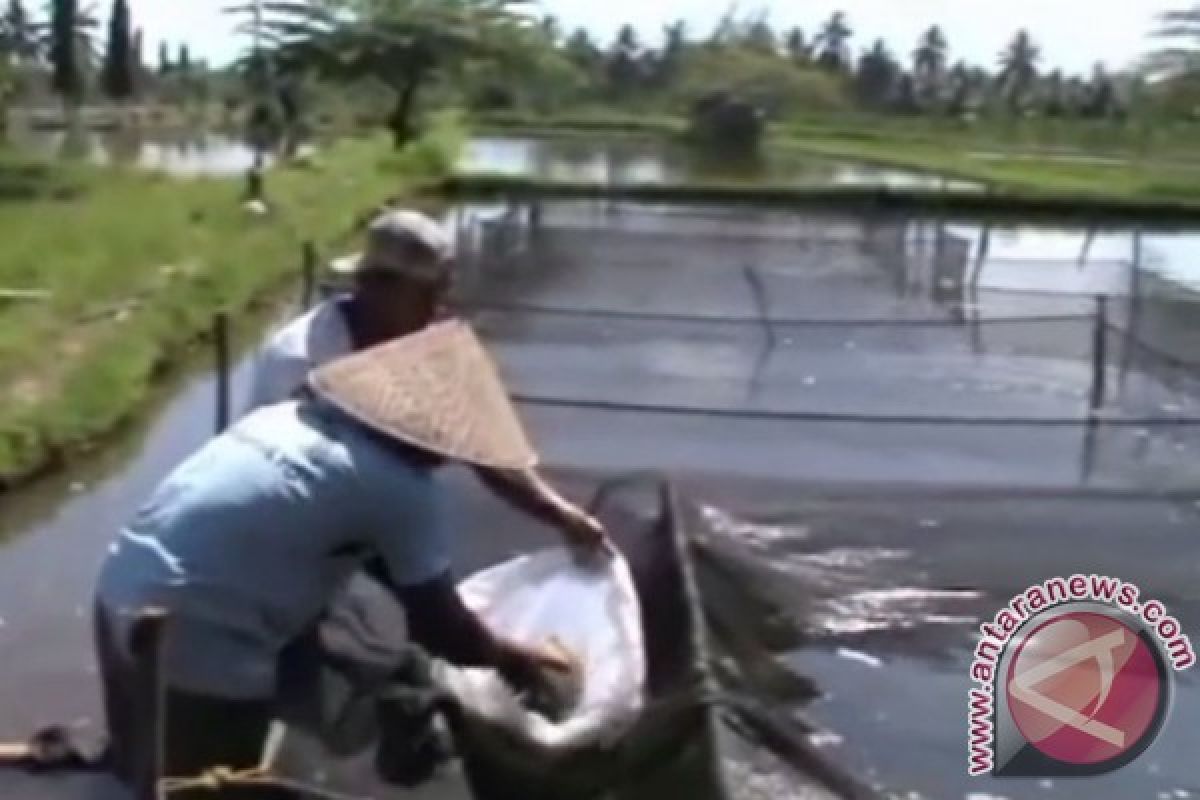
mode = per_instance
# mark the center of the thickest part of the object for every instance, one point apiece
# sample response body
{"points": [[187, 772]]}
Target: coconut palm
{"points": [[19, 41], [833, 43], [1019, 69], [1181, 59], [929, 59]]}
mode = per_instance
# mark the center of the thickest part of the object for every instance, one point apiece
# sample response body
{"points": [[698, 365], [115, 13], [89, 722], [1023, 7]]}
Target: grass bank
{"points": [[1131, 178], [585, 123], [133, 266], [999, 204]]}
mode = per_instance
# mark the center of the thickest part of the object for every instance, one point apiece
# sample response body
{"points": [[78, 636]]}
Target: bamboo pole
{"points": [[146, 644], [221, 345]]}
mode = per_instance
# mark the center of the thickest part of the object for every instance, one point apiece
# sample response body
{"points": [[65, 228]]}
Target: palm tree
{"points": [[833, 43], [19, 43], [1182, 58], [1019, 69], [877, 77], [929, 59]]}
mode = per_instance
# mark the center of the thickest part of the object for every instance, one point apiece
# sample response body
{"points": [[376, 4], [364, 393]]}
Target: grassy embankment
{"points": [[135, 265], [1029, 163]]}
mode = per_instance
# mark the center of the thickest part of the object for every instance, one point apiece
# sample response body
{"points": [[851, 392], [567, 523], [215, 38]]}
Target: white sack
{"points": [[593, 611]]}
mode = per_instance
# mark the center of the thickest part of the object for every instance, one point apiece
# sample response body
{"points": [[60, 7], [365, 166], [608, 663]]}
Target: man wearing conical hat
{"points": [[248, 541], [399, 282]]}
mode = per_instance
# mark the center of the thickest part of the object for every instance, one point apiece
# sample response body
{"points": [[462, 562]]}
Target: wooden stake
{"points": [[146, 644]]}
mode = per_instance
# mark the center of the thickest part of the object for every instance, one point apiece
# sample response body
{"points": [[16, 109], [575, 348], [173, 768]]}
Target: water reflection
{"points": [[179, 152], [634, 161]]}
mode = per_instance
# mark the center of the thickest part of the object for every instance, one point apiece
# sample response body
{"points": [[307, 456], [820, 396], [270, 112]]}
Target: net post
{"points": [[221, 346], [1099, 352], [146, 639], [308, 273]]}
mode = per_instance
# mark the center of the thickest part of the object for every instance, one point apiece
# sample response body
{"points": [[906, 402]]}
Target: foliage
{"points": [[403, 44], [120, 69], [774, 84], [186, 249], [877, 78], [1181, 58], [726, 124], [68, 76], [19, 41], [68, 39]]}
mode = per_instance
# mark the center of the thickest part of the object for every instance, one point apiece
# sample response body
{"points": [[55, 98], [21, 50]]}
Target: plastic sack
{"points": [[594, 612]]}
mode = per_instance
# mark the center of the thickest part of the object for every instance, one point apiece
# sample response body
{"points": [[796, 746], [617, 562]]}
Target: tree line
{"points": [[61, 46], [491, 54], [821, 70]]}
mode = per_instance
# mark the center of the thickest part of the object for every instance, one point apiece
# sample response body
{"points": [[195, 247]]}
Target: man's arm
{"points": [[439, 621], [528, 492]]}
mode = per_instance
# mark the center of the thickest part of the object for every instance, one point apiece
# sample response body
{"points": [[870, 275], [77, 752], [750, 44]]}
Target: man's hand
{"points": [[584, 532], [522, 665], [529, 492]]}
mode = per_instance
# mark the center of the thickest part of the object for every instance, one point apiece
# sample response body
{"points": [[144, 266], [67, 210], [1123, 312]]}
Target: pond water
{"points": [[745, 348], [614, 161], [632, 161], [177, 153]]}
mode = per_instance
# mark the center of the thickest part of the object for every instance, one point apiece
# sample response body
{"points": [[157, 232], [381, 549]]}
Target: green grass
{"points": [[583, 122], [1136, 179], [71, 369]]}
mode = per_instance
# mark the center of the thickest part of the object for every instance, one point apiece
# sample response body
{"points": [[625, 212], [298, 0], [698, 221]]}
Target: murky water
{"points": [[888, 593], [673, 324], [630, 161]]}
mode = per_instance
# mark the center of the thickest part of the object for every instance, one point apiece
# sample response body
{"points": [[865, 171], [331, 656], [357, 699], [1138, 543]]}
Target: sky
{"points": [[1074, 34]]}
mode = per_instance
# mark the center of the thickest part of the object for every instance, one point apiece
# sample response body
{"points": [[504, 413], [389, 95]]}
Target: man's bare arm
{"points": [[530, 493]]}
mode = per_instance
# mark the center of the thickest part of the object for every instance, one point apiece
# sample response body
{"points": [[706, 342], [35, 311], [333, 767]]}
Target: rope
{"points": [[637, 316], [830, 416], [1131, 338], [220, 778]]}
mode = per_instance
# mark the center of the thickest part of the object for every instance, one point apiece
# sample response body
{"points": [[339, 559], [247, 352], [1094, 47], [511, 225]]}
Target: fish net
{"points": [[822, 347]]}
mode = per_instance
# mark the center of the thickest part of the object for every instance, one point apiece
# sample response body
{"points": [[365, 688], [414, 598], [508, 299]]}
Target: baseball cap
{"points": [[394, 240]]}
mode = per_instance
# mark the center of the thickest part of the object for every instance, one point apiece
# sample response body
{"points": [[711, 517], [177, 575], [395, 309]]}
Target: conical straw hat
{"points": [[437, 390]]}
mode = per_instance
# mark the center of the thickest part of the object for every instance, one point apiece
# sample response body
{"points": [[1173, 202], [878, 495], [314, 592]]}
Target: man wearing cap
{"points": [[400, 281], [246, 543]]}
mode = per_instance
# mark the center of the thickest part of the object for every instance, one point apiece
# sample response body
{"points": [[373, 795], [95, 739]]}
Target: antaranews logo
{"points": [[1072, 678]]}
